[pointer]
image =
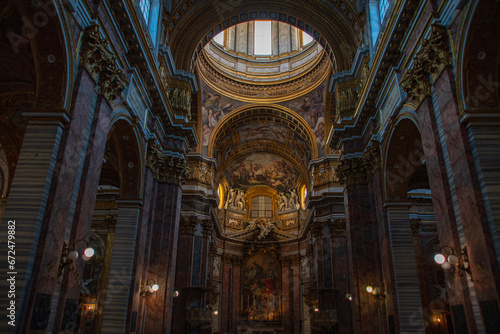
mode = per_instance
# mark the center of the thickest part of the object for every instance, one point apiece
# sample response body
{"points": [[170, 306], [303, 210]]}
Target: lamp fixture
{"points": [[448, 258], [348, 296], [68, 256], [151, 287], [374, 289]]}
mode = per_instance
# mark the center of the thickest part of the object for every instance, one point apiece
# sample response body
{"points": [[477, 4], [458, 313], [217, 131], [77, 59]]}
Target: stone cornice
{"points": [[387, 57]]}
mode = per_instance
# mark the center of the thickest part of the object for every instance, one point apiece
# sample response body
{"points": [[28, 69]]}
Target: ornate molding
{"points": [[180, 101], [110, 221], [202, 173], [208, 227], [415, 226], [170, 168], [372, 158], [101, 63]]}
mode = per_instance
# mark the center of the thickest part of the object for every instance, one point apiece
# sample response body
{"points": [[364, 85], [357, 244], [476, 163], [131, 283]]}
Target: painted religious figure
{"points": [[261, 288], [262, 169]]}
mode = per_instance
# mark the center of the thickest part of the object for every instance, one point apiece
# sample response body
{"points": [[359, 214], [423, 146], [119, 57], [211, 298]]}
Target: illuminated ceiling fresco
{"points": [[262, 169]]}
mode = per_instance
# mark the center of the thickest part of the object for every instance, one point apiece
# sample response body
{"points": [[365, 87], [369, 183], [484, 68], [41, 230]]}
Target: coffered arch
{"points": [[337, 26]]}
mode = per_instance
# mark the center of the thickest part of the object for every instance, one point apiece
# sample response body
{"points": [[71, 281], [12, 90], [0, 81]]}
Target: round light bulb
{"points": [[369, 289], [73, 255], [216, 312], [452, 259], [89, 252], [155, 287], [439, 258], [176, 293], [446, 265], [316, 310]]}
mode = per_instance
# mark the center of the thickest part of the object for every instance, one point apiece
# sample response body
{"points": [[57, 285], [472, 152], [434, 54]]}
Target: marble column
{"points": [[82, 220], [363, 244], [297, 298], [448, 229], [225, 295], [140, 276], [285, 293], [341, 272], [183, 275], [120, 286], [405, 273], [236, 295], [106, 264], [25, 214], [416, 82], [467, 198], [167, 161]]}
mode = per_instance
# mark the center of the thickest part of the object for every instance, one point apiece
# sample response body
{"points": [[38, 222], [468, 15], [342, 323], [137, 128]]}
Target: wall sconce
{"points": [[375, 290], [69, 256], [150, 288], [176, 293], [448, 259], [348, 296]]}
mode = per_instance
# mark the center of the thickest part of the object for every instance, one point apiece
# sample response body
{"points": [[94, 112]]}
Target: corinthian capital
{"points": [[168, 167], [101, 63]]}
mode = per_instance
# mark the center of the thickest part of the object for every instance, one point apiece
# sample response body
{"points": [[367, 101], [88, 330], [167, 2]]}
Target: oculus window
{"points": [[262, 38], [261, 207]]}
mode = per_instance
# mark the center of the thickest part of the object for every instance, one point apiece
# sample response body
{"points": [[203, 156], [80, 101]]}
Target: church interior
{"points": [[250, 167]]}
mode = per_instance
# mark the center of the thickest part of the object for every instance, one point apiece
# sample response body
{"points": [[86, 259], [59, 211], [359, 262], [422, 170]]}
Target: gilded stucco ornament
{"points": [[101, 63]]}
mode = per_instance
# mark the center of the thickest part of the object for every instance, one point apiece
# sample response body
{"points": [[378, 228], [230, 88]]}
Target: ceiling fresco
{"points": [[311, 107], [262, 131], [262, 169]]}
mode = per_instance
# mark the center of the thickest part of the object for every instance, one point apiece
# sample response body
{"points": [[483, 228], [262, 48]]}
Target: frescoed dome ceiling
{"points": [[263, 120]]}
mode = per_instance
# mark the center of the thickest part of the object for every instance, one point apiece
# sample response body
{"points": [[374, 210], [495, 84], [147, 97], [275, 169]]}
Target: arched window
{"points": [[383, 6], [378, 9], [150, 12], [262, 38], [145, 6], [261, 207]]}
